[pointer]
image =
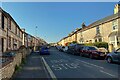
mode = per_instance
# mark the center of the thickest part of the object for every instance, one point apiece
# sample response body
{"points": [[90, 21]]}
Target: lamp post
{"points": [[36, 31], [35, 37]]}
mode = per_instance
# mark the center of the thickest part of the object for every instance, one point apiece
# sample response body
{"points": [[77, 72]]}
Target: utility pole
{"points": [[36, 31], [35, 37]]}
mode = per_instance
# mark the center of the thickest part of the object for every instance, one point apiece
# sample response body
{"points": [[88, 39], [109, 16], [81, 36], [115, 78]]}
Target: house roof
{"points": [[101, 21], [96, 23], [8, 15]]}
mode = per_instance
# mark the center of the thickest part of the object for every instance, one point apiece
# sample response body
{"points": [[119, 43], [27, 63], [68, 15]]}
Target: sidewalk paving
{"points": [[32, 69]]}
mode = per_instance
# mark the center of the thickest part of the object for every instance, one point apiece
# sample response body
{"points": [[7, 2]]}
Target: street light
{"points": [[35, 37], [36, 31]]}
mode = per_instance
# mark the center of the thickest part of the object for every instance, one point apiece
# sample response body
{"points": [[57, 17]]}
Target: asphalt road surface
{"points": [[65, 65]]}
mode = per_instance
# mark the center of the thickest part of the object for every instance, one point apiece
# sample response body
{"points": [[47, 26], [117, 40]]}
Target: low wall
{"points": [[7, 70]]}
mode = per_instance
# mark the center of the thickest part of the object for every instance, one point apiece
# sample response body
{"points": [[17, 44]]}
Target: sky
{"points": [[55, 20]]}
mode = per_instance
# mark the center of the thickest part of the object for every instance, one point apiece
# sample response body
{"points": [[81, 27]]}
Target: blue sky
{"points": [[56, 20]]}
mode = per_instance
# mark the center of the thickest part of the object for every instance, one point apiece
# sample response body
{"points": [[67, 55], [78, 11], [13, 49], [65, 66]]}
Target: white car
{"points": [[65, 48], [103, 50]]}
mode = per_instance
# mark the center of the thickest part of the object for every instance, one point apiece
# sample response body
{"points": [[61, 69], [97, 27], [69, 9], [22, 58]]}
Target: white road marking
{"points": [[107, 73], [64, 66], [49, 69], [87, 66], [56, 67], [90, 64], [32, 68]]}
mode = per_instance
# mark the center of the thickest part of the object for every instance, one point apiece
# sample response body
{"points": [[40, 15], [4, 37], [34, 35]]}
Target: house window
{"points": [[118, 39], [13, 42], [114, 25], [90, 41], [100, 39], [2, 22], [9, 39], [15, 29], [97, 30], [81, 40], [2, 40], [95, 40], [9, 24]]}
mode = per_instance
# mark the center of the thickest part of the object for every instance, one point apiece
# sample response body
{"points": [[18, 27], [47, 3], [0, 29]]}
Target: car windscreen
{"points": [[118, 50], [92, 48], [79, 47]]}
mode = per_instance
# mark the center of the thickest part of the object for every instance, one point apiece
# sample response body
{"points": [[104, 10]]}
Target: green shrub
{"points": [[101, 44], [23, 61], [17, 68], [98, 44], [89, 44]]}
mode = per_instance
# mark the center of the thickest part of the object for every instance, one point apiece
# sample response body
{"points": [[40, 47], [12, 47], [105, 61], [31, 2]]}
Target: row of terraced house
{"points": [[12, 37], [103, 30]]}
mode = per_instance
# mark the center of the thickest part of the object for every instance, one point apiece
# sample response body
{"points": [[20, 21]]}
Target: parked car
{"points": [[61, 48], [44, 51], [58, 47], [92, 52], [71, 49], [3, 60], [114, 56], [103, 50], [65, 48], [75, 49], [9, 55]]}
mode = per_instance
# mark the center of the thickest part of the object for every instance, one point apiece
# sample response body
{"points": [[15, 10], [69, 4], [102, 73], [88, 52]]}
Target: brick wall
{"points": [[8, 69]]}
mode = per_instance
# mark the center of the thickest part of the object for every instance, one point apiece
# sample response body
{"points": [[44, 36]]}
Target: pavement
{"points": [[32, 69]]}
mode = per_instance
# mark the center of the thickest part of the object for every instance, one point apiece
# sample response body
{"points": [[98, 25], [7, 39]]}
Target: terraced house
{"points": [[11, 35], [103, 30]]}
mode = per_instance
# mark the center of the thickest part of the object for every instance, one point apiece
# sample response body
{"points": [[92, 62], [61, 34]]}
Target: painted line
{"points": [[87, 65], [107, 73], [52, 75], [90, 64]]}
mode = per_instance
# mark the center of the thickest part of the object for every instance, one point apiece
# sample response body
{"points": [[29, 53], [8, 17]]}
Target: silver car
{"points": [[114, 56]]}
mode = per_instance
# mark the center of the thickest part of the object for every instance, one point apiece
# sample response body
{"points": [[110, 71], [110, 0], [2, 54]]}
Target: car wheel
{"points": [[73, 53], [91, 56], [81, 54], [109, 60]]}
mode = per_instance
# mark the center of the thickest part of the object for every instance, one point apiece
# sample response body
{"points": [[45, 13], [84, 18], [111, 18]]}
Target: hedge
{"points": [[98, 44]]}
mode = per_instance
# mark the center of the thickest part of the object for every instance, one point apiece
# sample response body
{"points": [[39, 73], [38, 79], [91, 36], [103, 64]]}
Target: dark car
{"points": [[92, 52], [75, 49], [114, 56], [70, 49], [62, 48], [9, 55], [44, 51]]}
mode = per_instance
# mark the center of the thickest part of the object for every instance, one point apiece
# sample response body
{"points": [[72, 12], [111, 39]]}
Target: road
{"points": [[63, 65]]}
